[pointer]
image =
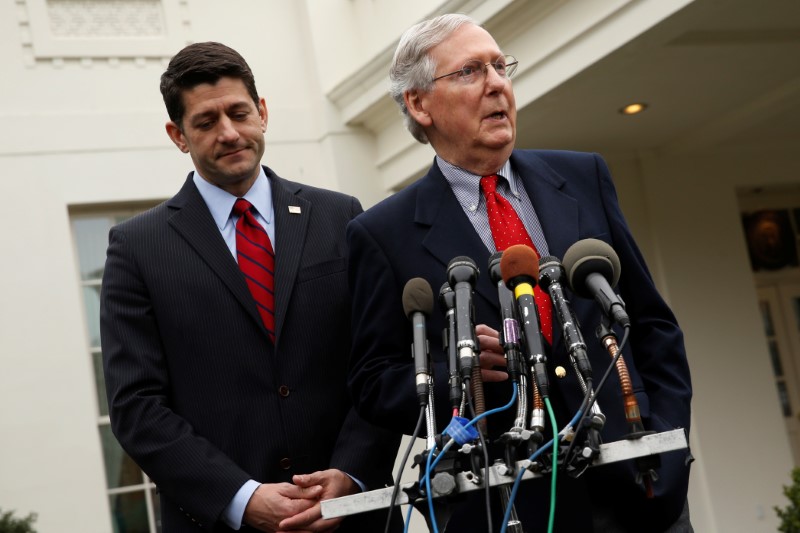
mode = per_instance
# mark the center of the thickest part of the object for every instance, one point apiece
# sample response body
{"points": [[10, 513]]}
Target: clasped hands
{"points": [[295, 507], [285, 507]]}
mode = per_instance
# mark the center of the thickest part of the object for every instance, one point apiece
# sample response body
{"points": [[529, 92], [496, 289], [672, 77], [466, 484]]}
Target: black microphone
{"points": [[593, 270], [418, 304], [447, 299], [519, 275], [509, 334], [551, 275], [462, 273]]}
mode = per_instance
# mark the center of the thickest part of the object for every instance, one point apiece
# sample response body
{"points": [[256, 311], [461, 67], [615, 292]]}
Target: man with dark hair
{"points": [[452, 83], [217, 388]]}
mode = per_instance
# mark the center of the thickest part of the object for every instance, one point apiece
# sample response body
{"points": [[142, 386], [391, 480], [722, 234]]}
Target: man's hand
{"points": [[491, 355], [334, 483], [273, 502]]}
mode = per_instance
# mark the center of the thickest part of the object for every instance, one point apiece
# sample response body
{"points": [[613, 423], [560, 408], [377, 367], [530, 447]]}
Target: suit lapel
{"points": [[193, 221], [556, 210], [451, 234], [290, 233]]}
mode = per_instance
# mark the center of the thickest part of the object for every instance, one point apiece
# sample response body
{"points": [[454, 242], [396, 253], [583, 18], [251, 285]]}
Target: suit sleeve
{"points": [[381, 375], [363, 450], [366, 451], [656, 339], [657, 359], [187, 468]]}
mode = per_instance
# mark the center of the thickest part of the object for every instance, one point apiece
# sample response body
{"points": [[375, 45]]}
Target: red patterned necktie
{"points": [[257, 262], [508, 230]]}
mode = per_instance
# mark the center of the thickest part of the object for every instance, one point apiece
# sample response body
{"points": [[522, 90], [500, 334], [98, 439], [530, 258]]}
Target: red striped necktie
{"points": [[257, 262], [508, 230]]}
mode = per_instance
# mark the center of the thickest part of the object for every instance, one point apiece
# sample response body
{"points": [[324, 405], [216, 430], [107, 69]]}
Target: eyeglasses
{"points": [[474, 70]]}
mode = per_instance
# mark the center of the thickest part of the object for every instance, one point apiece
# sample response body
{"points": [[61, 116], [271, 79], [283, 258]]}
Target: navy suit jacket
{"points": [[198, 395], [417, 231]]}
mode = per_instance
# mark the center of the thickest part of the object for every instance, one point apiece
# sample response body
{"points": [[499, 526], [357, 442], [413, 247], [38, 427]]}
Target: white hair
{"points": [[413, 68]]}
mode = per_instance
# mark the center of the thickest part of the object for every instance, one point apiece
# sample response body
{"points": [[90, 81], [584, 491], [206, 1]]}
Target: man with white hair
{"points": [[452, 82]]}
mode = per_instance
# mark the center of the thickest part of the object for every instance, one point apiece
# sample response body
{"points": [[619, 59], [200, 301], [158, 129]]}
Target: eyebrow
{"points": [[495, 58], [236, 106]]}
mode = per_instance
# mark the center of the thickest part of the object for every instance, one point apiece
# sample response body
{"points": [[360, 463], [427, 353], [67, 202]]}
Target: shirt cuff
{"points": [[234, 512], [357, 482]]}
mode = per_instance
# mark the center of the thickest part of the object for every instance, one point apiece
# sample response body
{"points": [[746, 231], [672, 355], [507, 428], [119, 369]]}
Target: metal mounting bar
{"points": [[465, 481]]}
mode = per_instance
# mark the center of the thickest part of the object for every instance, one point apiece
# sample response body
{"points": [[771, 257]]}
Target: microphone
{"points": [[510, 334], [447, 299], [511, 342], [518, 269], [551, 274], [462, 274], [593, 270], [418, 304]]}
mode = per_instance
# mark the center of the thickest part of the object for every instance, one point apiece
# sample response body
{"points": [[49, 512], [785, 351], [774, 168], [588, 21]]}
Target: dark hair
{"points": [[202, 63]]}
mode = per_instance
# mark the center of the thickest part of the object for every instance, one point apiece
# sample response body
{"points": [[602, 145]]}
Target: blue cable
{"points": [[430, 466], [408, 517], [521, 473], [471, 423], [496, 410], [428, 487]]}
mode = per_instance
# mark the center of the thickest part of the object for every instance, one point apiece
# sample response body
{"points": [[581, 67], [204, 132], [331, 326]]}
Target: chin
{"points": [[498, 139], [243, 170], [505, 145]]}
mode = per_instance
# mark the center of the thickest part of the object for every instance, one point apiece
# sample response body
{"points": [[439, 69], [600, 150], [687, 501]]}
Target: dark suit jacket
{"points": [[198, 395], [416, 232]]}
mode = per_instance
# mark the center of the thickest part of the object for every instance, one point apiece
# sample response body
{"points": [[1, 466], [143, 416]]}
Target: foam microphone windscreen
{"points": [[589, 256], [519, 261], [417, 297]]}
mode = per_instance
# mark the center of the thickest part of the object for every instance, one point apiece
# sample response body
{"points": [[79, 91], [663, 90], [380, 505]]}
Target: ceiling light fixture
{"points": [[633, 109]]}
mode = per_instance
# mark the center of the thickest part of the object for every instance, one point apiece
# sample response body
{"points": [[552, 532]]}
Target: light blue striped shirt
{"points": [[466, 187]]}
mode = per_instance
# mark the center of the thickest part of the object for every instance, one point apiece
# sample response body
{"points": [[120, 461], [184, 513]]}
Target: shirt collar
{"points": [[220, 202], [466, 185]]}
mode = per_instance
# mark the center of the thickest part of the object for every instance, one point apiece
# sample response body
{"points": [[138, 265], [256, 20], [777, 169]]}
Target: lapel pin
{"points": [[294, 209]]}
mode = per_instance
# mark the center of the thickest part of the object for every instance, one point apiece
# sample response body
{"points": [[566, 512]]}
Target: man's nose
{"points": [[227, 132], [494, 81]]}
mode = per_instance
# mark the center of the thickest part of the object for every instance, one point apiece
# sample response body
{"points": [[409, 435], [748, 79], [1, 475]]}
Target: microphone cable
{"points": [[593, 398], [408, 518], [430, 465], [561, 434], [402, 467], [470, 404]]}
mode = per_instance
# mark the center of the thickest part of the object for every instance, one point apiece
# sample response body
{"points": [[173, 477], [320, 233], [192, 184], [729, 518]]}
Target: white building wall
{"points": [[91, 132], [87, 133], [685, 215], [738, 433]]}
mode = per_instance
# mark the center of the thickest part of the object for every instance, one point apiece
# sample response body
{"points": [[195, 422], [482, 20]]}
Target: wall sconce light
{"points": [[633, 109]]}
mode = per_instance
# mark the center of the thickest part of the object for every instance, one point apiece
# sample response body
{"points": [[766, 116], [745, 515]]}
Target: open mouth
{"points": [[498, 115]]}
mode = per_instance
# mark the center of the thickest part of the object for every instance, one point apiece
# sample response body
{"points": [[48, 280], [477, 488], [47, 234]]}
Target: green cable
{"points": [[556, 441]]}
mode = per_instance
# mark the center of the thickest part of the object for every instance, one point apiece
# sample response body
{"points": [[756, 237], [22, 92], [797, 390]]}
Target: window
{"points": [[132, 498], [771, 229]]}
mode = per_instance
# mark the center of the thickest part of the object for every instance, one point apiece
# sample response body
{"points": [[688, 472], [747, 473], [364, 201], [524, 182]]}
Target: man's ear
{"points": [[263, 112], [177, 137], [416, 105]]}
